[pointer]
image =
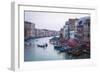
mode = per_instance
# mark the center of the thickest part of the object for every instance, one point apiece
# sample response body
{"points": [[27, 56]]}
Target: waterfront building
{"points": [[73, 25], [66, 30], [76, 29], [61, 33], [70, 28], [29, 30], [45, 33], [83, 30]]}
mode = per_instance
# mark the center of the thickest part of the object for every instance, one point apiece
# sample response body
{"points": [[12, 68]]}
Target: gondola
{"points": [[43, 46]]}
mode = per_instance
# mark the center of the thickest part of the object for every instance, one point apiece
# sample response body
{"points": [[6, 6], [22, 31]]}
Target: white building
{"points": [[66, 30], [72, 34]]}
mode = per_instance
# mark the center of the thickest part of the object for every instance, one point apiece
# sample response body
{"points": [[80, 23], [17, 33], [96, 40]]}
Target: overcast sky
{"points": [[51, 21]]}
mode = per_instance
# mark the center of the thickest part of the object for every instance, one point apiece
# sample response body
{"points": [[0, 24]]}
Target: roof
{"points": [[82, 20]]}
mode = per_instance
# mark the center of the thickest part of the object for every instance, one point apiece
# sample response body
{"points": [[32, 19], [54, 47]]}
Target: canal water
{"points": [[35, 53]]}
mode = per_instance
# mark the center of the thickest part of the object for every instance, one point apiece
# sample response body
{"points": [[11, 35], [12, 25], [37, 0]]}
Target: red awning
{"points": [[72, 42], [63, 41]]}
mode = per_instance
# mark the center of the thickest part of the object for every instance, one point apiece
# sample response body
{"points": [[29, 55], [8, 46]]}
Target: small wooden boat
{"points": [[70, 50], [45, 45], [62, 50], [57, 47], [76, 52]]}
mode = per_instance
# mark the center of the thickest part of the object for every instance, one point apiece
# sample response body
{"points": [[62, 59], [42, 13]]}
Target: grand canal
{"points": [[34, 53]]}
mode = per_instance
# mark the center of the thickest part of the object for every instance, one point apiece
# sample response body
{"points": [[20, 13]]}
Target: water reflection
{"points": [[34, 53]]}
